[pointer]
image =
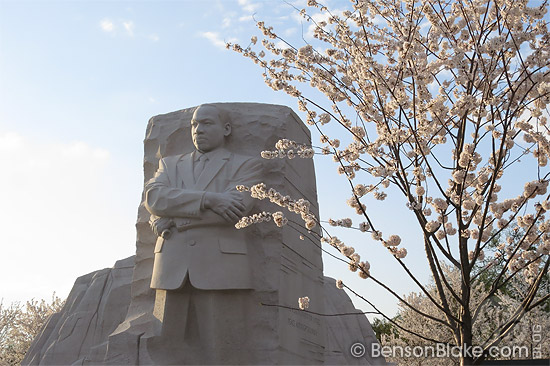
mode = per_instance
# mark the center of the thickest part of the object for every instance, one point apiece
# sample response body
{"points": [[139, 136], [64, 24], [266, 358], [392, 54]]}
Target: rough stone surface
{"points": [[89, 332], [345, 330], [53, 347], [97, 303]]}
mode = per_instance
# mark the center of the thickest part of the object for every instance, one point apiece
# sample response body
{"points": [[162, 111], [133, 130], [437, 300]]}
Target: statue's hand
{"points": [[161, 225], [228, 205]]}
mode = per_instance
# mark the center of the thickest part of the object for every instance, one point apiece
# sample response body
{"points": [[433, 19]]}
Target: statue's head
{"points": [[209, 128]]}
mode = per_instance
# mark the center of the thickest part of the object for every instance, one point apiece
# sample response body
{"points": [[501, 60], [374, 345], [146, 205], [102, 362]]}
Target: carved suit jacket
{"points": [[202, 248]]}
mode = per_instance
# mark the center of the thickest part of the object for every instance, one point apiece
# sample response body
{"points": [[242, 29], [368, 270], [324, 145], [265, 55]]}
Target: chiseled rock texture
{"points": [[99, 301], [97, 304], [345, 330]]}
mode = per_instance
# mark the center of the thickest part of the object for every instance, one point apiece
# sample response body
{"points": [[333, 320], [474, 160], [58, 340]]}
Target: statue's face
{"points": [[207, 129]]}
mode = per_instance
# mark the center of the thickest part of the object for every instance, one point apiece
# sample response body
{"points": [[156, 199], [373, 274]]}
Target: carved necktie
{"points": [[199, 166]]}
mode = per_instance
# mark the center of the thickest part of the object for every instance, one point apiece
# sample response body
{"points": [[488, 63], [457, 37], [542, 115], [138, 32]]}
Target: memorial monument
{"points": [[199, 291]]}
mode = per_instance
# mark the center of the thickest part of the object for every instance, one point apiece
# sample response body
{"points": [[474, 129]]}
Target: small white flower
{"points": [[377, 235], [279, 219], [401, 253], [393, 240], [432, 226], [364, 226], [303, 302]]}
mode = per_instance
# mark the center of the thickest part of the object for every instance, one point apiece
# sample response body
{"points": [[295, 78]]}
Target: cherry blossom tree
{"points": [[20, 324], [528, 339], [442, 104]]}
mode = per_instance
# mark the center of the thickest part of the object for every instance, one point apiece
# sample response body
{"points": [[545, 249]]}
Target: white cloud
{"points": [[297, 17], [246, 18], [301, 4], [112, 27], [379, 20], [228, 18], [317, 18], [154, 37], [249, 6], [290, 31], [220, 6], [215, 39], [226, 22], [129, 27], [62, 214], [280, 44], [10, 141], [107, 25]]}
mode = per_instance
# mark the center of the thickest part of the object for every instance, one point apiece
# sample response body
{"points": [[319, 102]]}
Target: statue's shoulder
{"points": [[173, 159], [242, 159]]}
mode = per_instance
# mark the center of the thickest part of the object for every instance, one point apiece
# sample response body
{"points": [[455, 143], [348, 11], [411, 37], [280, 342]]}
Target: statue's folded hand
{"points": [[228, 205]]}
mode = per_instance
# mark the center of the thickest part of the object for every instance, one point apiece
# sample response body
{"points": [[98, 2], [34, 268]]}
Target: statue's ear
{"points": [[227, 129]]}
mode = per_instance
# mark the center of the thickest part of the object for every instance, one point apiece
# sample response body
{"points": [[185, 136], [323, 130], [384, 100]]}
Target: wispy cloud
{"points": [[290, 31], [129, 27], [226, 22], [220, 6], [215, 39], [301, 4], [58, 190], [281, 45], [317, 18], [154, 37], [246, 18], [107, 25], [118, 27], [249, 6]]}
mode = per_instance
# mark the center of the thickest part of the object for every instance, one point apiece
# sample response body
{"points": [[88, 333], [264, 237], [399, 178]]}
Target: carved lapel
{"points": [[185, 171], [214, 166]]}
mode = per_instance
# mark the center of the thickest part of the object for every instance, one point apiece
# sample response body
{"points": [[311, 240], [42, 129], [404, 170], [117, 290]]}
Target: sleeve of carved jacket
{"points": [[163, 199]]}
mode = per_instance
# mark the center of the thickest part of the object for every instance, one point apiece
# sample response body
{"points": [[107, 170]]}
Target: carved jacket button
{"points": [[192, 242]]}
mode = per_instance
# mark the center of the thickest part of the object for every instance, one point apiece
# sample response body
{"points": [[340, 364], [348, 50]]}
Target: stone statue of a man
{"points": [[201, 271]]}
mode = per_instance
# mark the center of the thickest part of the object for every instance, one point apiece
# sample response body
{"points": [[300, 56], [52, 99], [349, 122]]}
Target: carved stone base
{"points": [[93, 341]]}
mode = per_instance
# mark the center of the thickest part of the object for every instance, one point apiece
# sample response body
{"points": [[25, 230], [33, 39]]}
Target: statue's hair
{"points": [[223, 115]]}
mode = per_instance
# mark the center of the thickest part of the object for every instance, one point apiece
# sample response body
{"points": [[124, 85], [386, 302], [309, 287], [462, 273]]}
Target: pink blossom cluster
{"points": [[253, 219], [347, 222], [303, 302], [289, 149], [355, 262], [300, 206]]}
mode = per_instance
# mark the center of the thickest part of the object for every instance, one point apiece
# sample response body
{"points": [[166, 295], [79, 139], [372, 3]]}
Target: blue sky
{"points": [[78, 83]]}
